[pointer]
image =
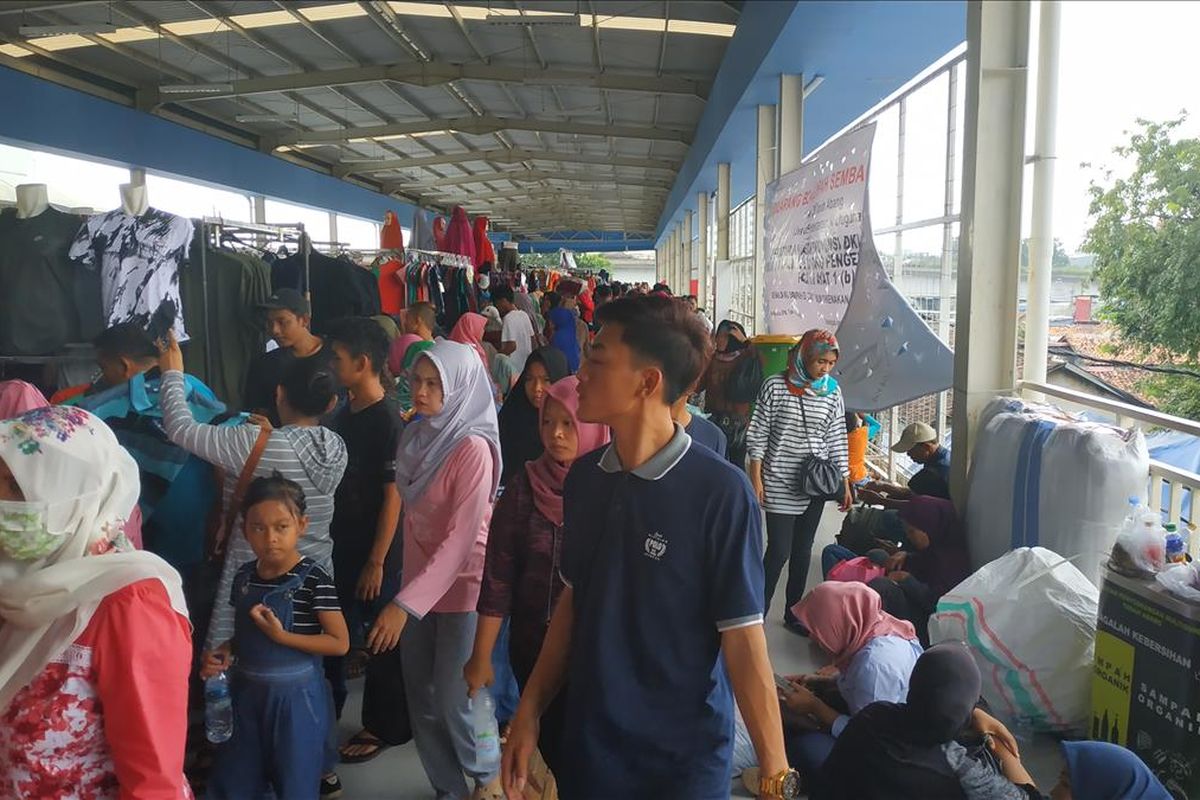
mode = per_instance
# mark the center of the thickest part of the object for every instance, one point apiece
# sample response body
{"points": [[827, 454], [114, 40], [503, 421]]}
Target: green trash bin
{"points": [[774, 351]]}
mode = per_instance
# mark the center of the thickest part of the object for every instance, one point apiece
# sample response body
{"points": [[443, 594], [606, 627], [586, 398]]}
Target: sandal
{"points": [[363, 738]]}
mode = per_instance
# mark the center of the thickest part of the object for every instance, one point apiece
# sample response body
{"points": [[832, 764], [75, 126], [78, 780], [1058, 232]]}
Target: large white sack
{"points": [[1042, 477], [1029, 618]]}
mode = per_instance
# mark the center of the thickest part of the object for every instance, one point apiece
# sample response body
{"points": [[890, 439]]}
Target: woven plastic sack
{"points": [[1029, 617], [1042, 477]]}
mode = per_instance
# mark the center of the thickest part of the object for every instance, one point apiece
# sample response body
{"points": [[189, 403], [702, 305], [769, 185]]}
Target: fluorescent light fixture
{"points": [[195, 88], [265, 118], [35, 31], [540, 20]]}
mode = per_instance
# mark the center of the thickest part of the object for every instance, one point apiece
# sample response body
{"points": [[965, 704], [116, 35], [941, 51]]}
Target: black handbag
{"points": [[818, 478]]}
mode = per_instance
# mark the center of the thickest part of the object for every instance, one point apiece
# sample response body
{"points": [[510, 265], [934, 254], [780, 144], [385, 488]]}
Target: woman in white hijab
{"points": [[448, 469], [95, 643]]}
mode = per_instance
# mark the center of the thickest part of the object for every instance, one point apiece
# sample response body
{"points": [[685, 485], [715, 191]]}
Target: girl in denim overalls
{"points": [[287, 619]]}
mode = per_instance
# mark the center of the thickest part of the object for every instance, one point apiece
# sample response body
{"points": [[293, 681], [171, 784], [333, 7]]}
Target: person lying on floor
{"points": [[932, 562], [890, 750]]}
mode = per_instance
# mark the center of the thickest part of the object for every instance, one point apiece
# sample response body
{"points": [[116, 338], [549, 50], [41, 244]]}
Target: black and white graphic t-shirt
{"points": [[139, 260]]}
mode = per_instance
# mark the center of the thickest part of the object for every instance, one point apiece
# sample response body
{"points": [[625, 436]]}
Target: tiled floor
{"points": [[397, 774]]}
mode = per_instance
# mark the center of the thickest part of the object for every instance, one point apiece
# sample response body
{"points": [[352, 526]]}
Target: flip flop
{"points": [[362, 739]]}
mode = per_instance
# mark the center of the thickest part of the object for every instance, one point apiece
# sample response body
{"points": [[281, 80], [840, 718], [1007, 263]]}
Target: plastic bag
{"points": [[1182, 580], [1029, 618], [1140, 550], [861, 569]]}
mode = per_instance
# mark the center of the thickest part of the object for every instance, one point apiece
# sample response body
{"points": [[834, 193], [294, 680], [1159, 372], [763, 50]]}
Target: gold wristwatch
{"points": [[784, 785]]}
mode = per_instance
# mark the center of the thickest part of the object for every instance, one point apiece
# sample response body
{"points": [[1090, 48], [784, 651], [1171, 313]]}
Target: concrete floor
{"points": [[397, 774]]}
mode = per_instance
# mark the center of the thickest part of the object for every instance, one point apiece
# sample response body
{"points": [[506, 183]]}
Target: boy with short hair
{"points": [[367, 502], [289, 319], [664, 601]]}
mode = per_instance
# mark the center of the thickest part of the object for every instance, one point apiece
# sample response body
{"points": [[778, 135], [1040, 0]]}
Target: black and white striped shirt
{"points": [[314, 595], [777, 437]]}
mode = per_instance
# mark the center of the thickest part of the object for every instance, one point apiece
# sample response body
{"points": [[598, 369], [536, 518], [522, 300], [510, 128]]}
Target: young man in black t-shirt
{"points": [[289, 317], [367, 503]]}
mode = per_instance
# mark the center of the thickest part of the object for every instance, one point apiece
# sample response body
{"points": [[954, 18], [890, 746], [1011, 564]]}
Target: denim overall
{"points": [[281, 707]]}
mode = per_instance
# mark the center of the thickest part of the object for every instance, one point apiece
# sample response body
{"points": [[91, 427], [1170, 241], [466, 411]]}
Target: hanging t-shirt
{"points": [[37, 283], [518, 328], [138, 259]]}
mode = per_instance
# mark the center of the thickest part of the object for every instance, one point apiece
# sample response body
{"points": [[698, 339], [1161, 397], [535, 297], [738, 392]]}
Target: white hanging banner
{"points": [[813, 230], [822, 271]]}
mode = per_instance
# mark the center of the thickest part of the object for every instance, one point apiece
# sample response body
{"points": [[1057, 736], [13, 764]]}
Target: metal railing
{"points": [[1167, 486]]}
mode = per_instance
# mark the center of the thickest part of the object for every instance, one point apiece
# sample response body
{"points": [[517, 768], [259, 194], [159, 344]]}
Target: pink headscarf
{"points": [[842, 617], [546, 475], [398, 350], [17, 397], [469, 330], [460, 239]]}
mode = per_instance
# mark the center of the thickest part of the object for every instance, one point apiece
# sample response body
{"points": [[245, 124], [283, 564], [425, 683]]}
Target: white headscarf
{"points": [[468, 409], [71, 460]]}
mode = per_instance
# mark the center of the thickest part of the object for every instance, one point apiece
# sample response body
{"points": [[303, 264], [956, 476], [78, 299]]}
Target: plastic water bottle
{"points": [[218, 709], [1176, 546], [483, 723]]}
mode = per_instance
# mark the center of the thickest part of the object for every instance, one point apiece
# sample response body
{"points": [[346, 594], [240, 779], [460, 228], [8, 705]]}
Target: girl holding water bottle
{"points": [[287, 619], [448, 470]]}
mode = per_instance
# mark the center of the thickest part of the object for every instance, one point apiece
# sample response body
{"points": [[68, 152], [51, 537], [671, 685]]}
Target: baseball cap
{"points": [[915, 434], [287, 300]]}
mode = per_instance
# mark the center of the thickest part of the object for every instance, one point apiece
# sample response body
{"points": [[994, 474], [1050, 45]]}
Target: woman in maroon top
{"points": [[520, 577]]}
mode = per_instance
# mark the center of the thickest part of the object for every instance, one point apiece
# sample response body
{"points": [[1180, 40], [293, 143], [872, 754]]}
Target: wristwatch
{"points": [[784, 785]]}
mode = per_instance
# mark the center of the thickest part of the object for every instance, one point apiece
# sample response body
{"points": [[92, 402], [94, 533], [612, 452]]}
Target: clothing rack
{"points": [[220, 228]]}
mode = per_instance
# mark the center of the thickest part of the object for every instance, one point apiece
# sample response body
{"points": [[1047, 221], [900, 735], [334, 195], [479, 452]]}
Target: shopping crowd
{"points": [[545, 523]]}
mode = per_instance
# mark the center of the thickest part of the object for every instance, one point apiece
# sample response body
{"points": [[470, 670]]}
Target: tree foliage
{"points": [[1146, 239], [1058, 259]]}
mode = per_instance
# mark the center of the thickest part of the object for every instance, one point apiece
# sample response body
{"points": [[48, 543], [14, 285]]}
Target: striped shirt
{"points": [[313, 457], [315, 595], [777, 437]]}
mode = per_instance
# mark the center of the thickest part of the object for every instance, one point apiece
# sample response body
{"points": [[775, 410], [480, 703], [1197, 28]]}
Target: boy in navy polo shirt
{"points": [[662, 615]]}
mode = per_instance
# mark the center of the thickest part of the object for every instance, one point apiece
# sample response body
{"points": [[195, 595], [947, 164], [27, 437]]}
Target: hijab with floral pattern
{"points": [[69, 460], [813, 344]]}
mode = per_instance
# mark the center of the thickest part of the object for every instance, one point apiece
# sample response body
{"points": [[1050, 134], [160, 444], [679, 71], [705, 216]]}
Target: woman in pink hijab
{"points": [[873, 654], [17, 397], [525, 541]]}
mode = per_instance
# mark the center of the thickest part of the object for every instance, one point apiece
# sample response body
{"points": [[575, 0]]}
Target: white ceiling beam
{"points": [[481, 126], [525, 176], [438, 73], [507, 157]]}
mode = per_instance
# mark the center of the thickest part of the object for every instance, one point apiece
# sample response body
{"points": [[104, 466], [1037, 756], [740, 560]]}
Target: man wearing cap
{"points": [[920, 442], [288, 319]]}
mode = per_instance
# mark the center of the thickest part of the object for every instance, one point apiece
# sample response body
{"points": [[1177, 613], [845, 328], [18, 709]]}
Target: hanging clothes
{"points": [[460, 240], [139, 259], [422, 231], [37, 283], [439, 232], [238, 282], [339, 288], [391, 235], [485, 254]]}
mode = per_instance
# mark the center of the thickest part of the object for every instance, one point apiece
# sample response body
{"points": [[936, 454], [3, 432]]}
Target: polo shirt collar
{"points": [[658, 464]]}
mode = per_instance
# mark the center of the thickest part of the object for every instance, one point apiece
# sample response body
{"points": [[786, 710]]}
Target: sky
{"points": [[1119, 61]]}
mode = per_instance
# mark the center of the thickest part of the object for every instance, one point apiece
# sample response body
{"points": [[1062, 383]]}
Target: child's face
{"points": [[273, 528], [559, 436], [426, 385]]}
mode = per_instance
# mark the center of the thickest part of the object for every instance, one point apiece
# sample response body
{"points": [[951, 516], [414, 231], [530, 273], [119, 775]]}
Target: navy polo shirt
{"points": [[662, 559], [708, 434]]}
